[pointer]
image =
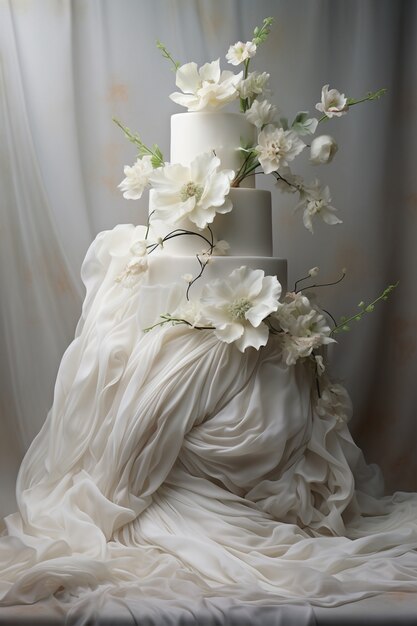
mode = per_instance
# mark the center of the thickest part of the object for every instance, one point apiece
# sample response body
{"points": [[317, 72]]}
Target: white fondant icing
{"points": [[166, 270], [247, 228], [193, 133]]}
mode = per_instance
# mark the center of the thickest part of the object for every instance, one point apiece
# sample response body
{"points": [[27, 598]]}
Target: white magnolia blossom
{"points": [[289, 182], [261, 113], [334, 402], [322, 150], [240, 52], [315, 200], [333, 103], [137, 178], [236, 306], [205, 88], [304, 327], [253, 85], [196, 192], [277, 147], [313, 271]]}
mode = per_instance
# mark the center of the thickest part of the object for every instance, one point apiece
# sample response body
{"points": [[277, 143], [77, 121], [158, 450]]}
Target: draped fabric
{"points": [[281, 487], [172, 466], [69, 66]]}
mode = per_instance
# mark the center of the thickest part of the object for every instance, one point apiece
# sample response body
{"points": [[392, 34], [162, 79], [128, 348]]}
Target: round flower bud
{"points": [[323, 149]]}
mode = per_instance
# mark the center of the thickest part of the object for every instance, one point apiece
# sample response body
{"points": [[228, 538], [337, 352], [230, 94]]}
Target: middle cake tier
{"points": [[247, 228]]}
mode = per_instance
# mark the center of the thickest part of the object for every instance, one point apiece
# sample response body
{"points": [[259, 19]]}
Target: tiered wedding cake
{"points": [[247, 228], [197, 453]]}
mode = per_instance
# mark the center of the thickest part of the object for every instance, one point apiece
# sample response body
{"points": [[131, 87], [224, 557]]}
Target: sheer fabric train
{"points": [[171, 466]]}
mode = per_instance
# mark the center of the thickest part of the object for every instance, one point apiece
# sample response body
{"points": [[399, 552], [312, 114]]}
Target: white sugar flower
{"points": [[288, 182], [335, 402], [315, 200], [261, 113], [294, 348], [205, 88], [133, 272], [333, 103], [237, 306], [240, 52], [253, 85], [313, 271], [276, 147], [322, 150], [304, 325], [221, 248], [299, 317], [137, 178], [197, 192], [190, 311]]}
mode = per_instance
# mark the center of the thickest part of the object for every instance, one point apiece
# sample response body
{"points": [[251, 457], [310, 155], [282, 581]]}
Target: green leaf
{"points": [[284, 122]]}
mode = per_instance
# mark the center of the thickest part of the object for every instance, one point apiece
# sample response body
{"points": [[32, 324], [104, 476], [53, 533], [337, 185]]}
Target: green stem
{"points": [[365, 309]]}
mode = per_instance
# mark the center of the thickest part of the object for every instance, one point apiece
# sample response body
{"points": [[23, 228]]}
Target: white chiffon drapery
{"points": [[66, 68], [172, 466], [69, 66]]}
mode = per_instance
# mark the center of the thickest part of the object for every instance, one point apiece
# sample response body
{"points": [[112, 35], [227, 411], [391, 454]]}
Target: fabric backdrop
{"points": [[67, 67]]}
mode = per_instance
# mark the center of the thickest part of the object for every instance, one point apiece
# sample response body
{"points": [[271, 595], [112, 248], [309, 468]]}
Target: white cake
{"points": [[247, 228]]}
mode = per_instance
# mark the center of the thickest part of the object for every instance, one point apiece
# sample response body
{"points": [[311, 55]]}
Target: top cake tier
{"points": [[224, 133]]}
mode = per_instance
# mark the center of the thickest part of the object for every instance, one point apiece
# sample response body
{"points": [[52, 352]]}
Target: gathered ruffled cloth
{"points": [[173, 467]]}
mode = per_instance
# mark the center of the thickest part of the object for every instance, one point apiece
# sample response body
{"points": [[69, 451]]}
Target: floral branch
{"points": [[248, 166], [371, 95], [167, 55], [203, 264], [364, 308], [261, 34], [315, 286], [167, 319], [155, 153]]}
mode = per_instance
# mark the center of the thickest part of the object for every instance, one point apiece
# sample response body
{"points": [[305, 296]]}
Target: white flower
{"points": [[304, 325], [221, 248], [335, 402], [133, 272], [313, 272], [240, 52], [323, 148], [197, 192], [190, 311], [294, 348], [205, 88], [237, 306], [289, 182], [333, 103], [187, 277], [261, 113], [137, 178], [253, 85], [139, 248], [300, 318], [276, 147], [315, 200]]}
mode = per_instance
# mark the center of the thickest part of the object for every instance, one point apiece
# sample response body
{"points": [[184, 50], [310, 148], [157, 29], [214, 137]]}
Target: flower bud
{"points": [[323, 149]]}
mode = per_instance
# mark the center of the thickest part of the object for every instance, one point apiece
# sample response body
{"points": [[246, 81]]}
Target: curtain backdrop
{"points": [[67, 67]]}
